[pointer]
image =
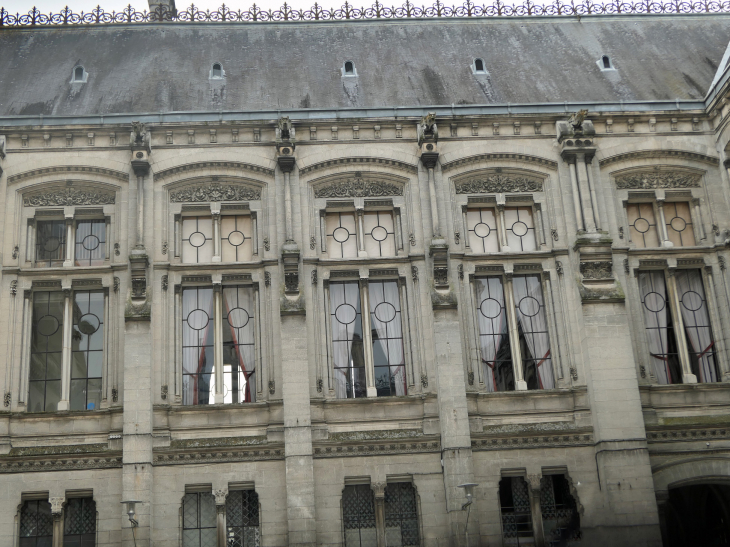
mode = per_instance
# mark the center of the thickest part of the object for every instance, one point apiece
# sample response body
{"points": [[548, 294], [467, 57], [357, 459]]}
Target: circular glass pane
{"points": [[379, 233], [529, 306], [238, 318], [482, 230], [198, 319], [51, 244], [197, 239], [519, 228], [678, 224], [490, 308], [385, 312], [47, 325], [341, 234], [236, 238], [346, 314], [654, 302], [692, 300], [641, 225], [89, 323], [90, 242]]}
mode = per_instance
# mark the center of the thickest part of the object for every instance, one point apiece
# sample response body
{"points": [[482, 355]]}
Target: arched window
{"points": [[79, 74], [217, 71], [479, 65], [349, 67]]}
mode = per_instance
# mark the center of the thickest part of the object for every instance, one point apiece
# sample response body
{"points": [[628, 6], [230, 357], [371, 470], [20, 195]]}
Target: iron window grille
{"points": [[401, 514], [514, 500], [677, 325], [358, 515], [79, 526], [560, 516], [242, 519], [199, 520], [350, 234], [500, 229], [36, 524], [226, 354]]}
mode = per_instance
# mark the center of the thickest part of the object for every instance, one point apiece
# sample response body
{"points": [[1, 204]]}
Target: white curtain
{"points": [[653, 297], [697, 322], [343, 335], [492, 318], [389, 333], [196, 340], [238, 308], [531, 315]]}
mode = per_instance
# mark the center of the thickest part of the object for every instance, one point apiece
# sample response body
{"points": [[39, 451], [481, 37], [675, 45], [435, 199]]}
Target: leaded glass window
{"points": [[358, 514], [514, 499], [46, 352], [379, 233], [482, 228], [199, 520], [198, 320], [347, 340], [494, 340], [679, 223], [534, 336], [236, 238], [239, 356], [388, 358], [87, 344], [36, 524], [341, 235], [642, 224], [401, 514], [242, 519], [79, 524], [197, 240], [520, 228], [90, 248], [50, 243]]}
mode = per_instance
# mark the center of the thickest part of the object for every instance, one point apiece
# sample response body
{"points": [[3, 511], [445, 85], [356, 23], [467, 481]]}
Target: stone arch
{"points": [[692, 471]]}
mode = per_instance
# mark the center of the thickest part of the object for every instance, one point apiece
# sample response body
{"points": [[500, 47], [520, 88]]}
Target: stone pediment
{"points": [[651, 180], [68, 196], [359, 186], [215, 191], [497, 183]]}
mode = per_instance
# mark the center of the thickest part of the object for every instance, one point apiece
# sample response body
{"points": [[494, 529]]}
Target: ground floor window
{"points": [[242, 519]]}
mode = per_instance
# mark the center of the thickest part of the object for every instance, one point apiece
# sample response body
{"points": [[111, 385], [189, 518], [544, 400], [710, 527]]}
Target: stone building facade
{"points": [[247, 285]]}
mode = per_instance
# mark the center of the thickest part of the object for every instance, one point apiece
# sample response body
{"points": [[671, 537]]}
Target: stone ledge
{"points": [[541, 441], [168, 458], [376, 449]]}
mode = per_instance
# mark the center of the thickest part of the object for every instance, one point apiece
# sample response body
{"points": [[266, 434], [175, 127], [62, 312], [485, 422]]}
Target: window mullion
{"points": [[106, 350], [502, 228], [218, 343], [678, 323], [663, 224], [514, 334], [216, 236], [695, 214], [328, 334], [70, 241], [367, 337], [710, 298], [64, 403], [360, 232]]}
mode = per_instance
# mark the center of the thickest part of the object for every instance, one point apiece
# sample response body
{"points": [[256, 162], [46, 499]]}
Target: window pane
{"points": [[199, 520], [379, 233], [236, 239], [239, 355], [341, 235], [642, 224], [349, 355], [537, 363], [482, 225], [197, 338], [659, 328], [79, 520], [46, 351], [197, 239], [520, 228], [401, 514], [697, 325], [242, 518], [50, 243], [679, 224], [88, 339], [385, 319], [494, 343], [90, 242], [358, 512], [36, 522]]}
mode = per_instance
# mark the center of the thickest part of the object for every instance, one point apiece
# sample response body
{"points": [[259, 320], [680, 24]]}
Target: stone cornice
{"points": [[660, 154], [341, 162], [212, 165], [216, 455], [86, 457], [537, 160], [578, 437], [669, 435], [425, 444], [69, 169]]}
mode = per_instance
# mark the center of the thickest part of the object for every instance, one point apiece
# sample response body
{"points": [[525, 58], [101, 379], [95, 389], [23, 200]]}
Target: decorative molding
{"points": [[236, 278], [119, 175], [544, 162], [597, 270], [375, 448], [384, 273], [358, 186], [215, 191], [340, 162], [537, 441], [217, 456], [24, 465], [659, 436], [414, 273], [13, 287], [67, 197], [212, 165], [660, 154], [424, 381], [267, 279], [163, 392], [660, 179], [496, 183], [272, 387]]}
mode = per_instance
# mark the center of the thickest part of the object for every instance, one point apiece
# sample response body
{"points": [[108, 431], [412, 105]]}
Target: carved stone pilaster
{"points": [[598, 282], [441, 295], [292, 301], [138, 304]]}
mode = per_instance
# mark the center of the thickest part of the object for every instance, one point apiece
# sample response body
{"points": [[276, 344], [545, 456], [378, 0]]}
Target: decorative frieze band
{"points": [[222, 456], [544, 162], [376, 449], [688, 435], [648, 180], [212, 165], [660, 154], [520, 443], [68, 197], [497, 183], [69, 169], [215, 192], [339, 162], [597, 270], [358, 187]]}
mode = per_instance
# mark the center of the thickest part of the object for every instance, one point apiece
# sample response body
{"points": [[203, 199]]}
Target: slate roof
{"points": [[165, 67]]}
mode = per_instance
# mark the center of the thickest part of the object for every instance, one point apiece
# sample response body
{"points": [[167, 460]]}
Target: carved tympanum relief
{"points": [[68, 196], [215, 191], [358, 186], [647, 180], [497, 183]]}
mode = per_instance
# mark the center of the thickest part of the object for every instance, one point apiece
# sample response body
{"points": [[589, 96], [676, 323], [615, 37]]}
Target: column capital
{"points": [[220, 497], [379, 489], [57, 506], [533, 480]]}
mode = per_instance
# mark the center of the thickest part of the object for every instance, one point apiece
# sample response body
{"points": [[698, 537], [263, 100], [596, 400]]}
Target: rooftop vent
{"points": [[348, 69], [478, 66], [604, 63], [79, 75], [217, 72]]}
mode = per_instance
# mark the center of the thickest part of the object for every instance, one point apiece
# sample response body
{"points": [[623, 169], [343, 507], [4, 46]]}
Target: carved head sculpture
{"points": [[576, 120], [138, 132], [284, 129], [427, 128]]}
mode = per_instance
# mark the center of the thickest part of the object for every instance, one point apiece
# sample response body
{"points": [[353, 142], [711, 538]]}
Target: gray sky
{"points": [[46, 6]]}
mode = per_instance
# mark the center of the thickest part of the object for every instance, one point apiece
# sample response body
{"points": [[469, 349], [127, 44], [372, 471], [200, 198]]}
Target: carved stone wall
{"points": [[215, 192], [495, 183], [357, 186], [646, 180], [68, 197]]}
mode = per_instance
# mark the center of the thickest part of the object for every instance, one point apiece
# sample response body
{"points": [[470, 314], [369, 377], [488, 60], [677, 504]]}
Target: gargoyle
{"points": [[427, 129], [284, 130], [576, 120]]}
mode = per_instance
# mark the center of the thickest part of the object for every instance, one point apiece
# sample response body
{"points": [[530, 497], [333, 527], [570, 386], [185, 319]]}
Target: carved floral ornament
{"points": [[497, 183], [69, 196], [658, 179], [215, 191], [358, 186]]}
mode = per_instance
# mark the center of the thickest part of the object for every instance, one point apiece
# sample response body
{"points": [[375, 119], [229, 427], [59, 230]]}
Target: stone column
{"points": [[64, 403], [502, 227], [662, 502], [533, 482], [570, 160], [663, 222], [286, 164], [216, 213], [70, 239], [588, 158], [367, 344], [220, 511], [678, 322], [218, 340], [585, 194], [429, 160], [379, 494], [514, 333], [57, 505], [361, 233]]}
